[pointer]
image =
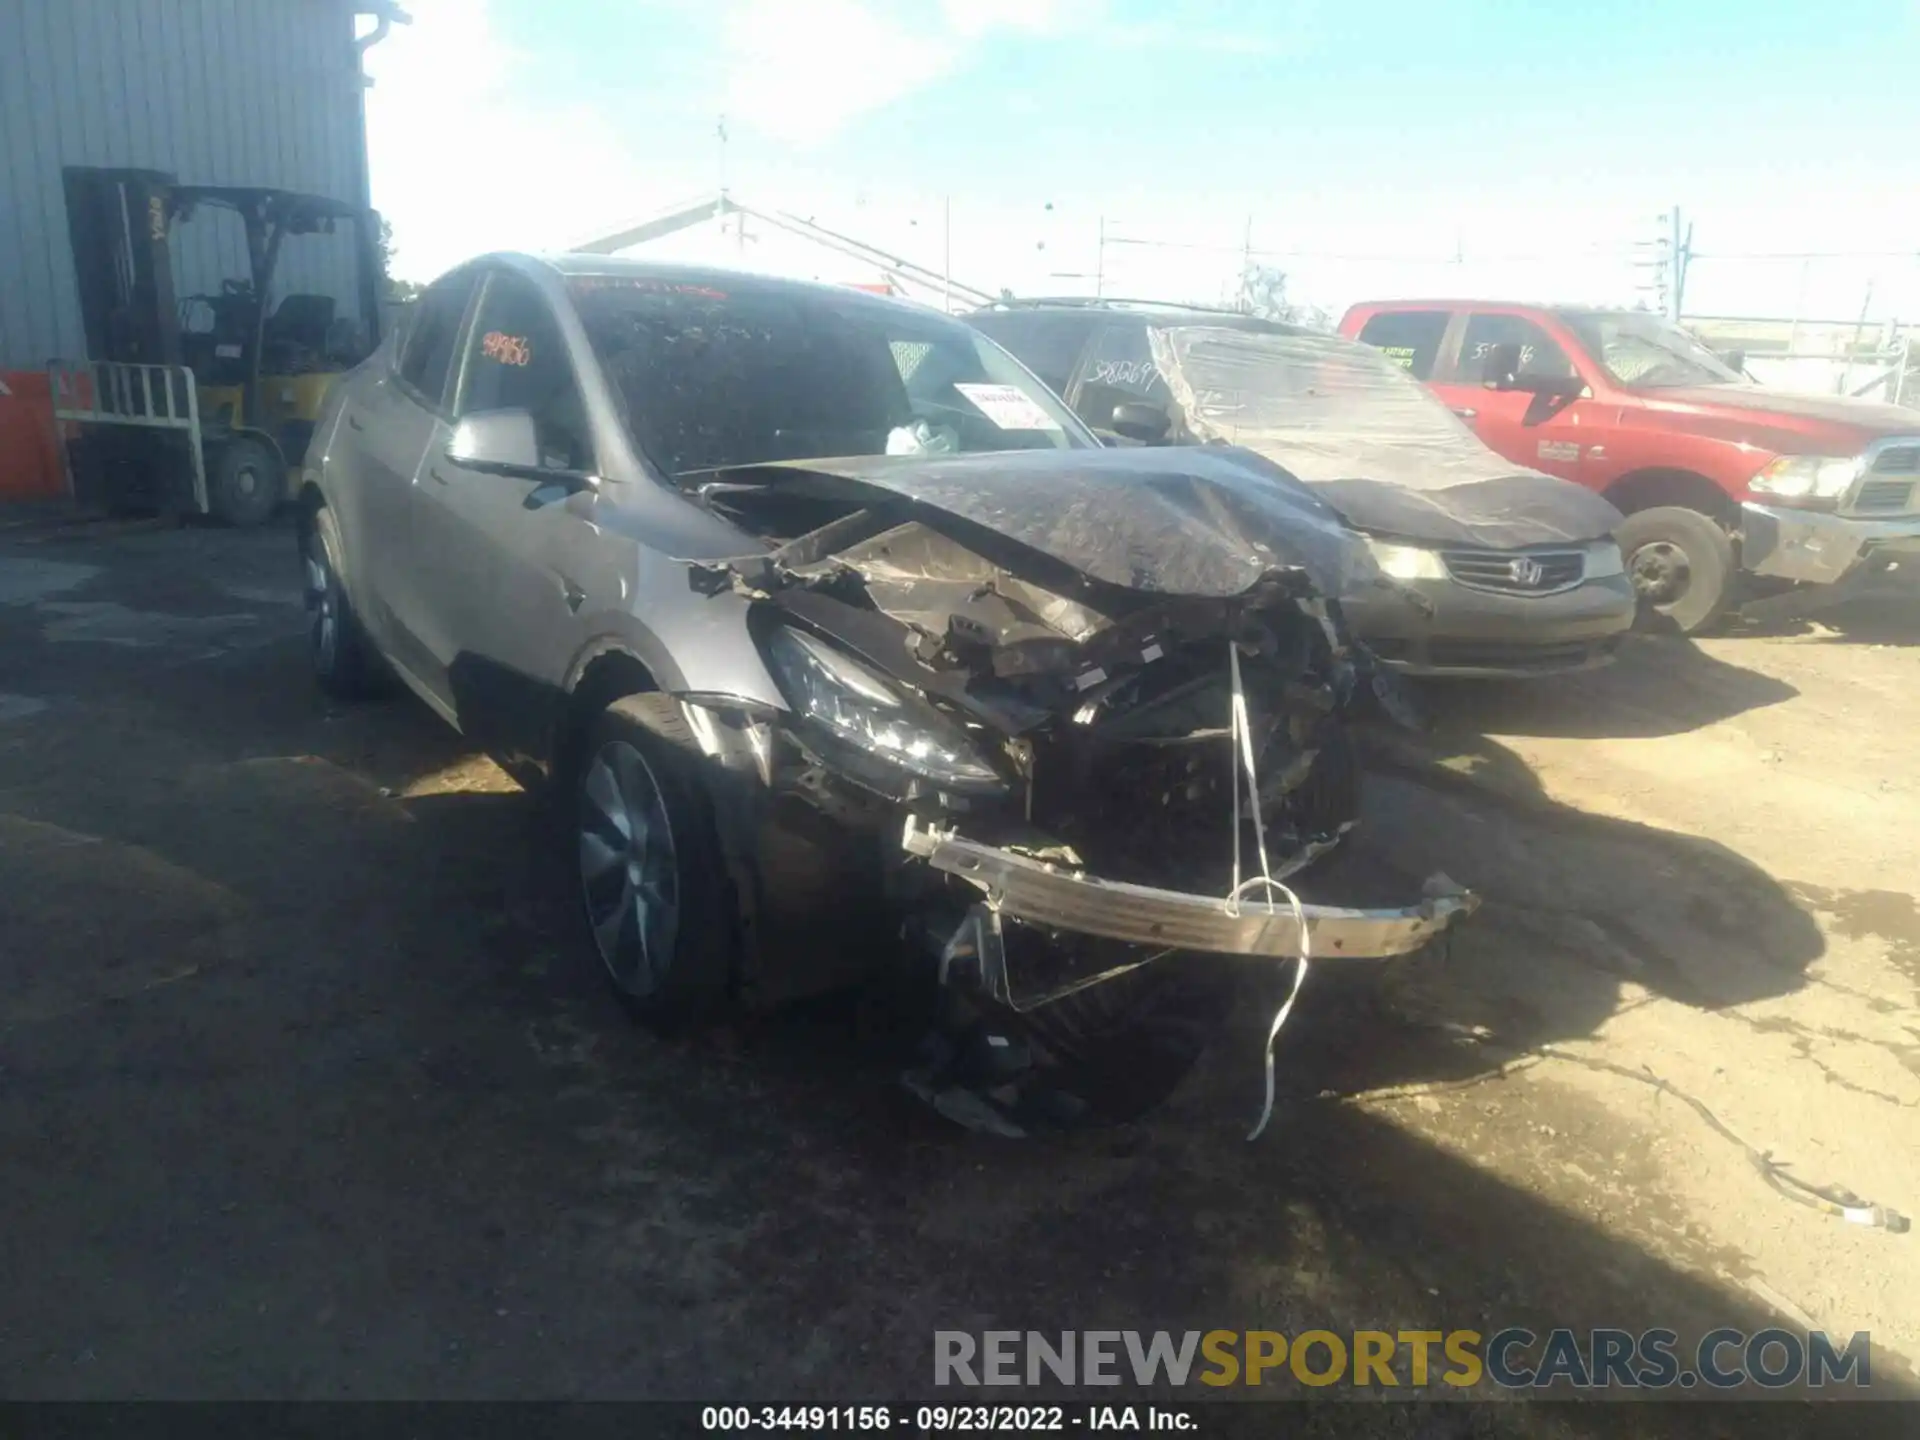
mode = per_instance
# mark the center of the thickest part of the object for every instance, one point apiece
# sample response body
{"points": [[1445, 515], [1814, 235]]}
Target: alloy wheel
{"points": [[629, 874], [323, 599]]}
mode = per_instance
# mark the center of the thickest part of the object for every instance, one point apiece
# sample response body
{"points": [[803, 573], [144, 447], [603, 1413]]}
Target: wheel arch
{"points": [[607, 672], [308, 501], [1657, 485]]}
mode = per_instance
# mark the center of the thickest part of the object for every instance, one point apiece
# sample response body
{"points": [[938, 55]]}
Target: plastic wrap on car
{"points": [[1377, 444]]}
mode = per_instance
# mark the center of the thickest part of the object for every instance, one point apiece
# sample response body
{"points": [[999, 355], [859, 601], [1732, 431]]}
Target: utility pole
{"points": [[946, 253], [1666, 257], [1100, 262], [1866, 307], [1799, 304], [1681, 248], [721, 206]]}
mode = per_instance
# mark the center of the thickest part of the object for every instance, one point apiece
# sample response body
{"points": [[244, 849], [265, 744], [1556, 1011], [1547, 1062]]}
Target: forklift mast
{"points": [[118, 222]]}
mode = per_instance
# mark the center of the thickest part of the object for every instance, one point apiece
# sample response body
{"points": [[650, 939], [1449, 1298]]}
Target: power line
{"points": [[1810, 255], [1622, 251]]}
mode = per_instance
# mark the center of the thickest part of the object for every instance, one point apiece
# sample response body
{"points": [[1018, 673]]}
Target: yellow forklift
{"points": [[203, 402]]}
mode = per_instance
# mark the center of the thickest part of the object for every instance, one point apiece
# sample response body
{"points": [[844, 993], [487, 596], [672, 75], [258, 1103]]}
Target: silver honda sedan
{"points": [[854, 652]]}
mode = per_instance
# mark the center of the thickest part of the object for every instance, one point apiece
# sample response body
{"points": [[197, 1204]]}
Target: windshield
{"points": [[1324, 408], [1645, 350], [711, 377], [1249, 382]]}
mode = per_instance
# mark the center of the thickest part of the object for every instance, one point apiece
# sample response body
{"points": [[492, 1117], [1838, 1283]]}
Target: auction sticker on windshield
{"points": [[1008, 406]]}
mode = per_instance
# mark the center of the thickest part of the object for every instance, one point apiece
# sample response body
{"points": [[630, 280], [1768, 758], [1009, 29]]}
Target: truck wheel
{"points": [[1681, 563], [245, 484], [655, 900]]}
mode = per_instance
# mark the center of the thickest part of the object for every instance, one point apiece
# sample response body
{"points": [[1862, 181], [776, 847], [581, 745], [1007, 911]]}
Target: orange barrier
{"points": [[30, 463]]}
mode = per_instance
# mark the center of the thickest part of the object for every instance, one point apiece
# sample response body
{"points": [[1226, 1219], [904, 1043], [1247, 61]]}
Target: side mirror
{"points": [[1501, 370], [1140, 421], [1735, 360], [505, 442]]}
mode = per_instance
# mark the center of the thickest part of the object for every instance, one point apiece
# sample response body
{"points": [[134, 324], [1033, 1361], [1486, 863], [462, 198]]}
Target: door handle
{"points": [[354, 421], [1466, 412]]}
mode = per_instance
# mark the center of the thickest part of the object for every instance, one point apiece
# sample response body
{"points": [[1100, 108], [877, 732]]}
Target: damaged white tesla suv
{"points": [[855, 652]]}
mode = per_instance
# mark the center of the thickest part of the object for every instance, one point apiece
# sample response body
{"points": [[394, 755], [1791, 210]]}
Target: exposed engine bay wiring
{"points": [[1240, 736]]}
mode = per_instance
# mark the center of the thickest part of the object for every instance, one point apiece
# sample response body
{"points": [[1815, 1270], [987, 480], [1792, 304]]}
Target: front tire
{"points": [[246, 483], [655, 900], [337, 648], [1681, 563]]}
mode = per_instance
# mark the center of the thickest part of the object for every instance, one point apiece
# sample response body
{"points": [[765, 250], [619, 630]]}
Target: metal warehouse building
{"points": [[214, 92]]}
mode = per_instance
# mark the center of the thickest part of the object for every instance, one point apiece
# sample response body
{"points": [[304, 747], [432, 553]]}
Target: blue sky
{"points": [[1406, 132]]}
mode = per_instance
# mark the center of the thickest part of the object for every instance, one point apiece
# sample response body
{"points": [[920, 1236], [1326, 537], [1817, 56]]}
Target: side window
{"points": [[517, 360], [1119, 369], [432, 332], [1409, 338], [1539, 355], [1047, 344]]}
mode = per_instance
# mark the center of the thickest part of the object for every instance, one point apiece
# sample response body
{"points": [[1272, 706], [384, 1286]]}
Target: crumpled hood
{"points": [[1207, 522], [1524, 508]]}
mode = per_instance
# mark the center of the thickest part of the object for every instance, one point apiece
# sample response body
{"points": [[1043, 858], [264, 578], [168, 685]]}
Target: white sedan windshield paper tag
{"points": [[1008, 406]]}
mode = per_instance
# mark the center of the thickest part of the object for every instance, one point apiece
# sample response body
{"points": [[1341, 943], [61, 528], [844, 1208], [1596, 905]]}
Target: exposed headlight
{"points": [[1603, 561], [845, 697], [1806, 479], [1407, 562]]}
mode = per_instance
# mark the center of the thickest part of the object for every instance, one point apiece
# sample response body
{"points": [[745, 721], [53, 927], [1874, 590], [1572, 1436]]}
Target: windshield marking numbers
{"points": [[507, 349], [1128, 374]]}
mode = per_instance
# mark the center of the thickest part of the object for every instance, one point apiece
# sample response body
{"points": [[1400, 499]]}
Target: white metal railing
{"points": [[1878, 374], [117, 392]]}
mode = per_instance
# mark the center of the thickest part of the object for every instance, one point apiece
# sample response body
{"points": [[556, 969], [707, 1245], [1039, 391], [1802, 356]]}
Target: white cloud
{"points": [[802, 72], [971, 18], [1170, 36], [463, 161]]}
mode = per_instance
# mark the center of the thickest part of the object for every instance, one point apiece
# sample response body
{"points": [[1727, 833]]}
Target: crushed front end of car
{"points": [[1070, 727]]}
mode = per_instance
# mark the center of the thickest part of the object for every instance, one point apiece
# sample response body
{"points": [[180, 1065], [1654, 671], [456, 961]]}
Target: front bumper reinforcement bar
{"points": [[1063, 899]]}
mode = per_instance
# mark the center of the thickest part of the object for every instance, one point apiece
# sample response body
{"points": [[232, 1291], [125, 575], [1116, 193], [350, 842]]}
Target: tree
{"points": [[397, 291], [1263, 292]]}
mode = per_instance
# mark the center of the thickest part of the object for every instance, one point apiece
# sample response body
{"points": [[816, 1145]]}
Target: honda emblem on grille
{"points": [[1526, 572]]}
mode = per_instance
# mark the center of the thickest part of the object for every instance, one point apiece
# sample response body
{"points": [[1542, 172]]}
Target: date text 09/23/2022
{"points": [[941, 1419]]}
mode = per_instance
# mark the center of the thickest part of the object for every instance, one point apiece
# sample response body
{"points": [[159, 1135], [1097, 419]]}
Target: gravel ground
{"points": [[303, 1093]]}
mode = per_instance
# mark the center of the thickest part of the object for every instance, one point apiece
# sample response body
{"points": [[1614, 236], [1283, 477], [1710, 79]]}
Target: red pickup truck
{"points": [[1720, 479]]}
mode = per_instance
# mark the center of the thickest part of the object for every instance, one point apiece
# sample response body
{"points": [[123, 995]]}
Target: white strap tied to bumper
{"points": [[1240, 736]]}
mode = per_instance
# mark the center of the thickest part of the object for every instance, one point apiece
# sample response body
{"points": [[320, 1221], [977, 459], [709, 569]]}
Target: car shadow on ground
{"points": [[1885, 617], [1578, 908], [1659, 685], [391, 1137]]}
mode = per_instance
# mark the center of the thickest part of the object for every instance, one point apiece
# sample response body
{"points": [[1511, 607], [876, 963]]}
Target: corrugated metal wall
{"points": [[216, 92]]}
